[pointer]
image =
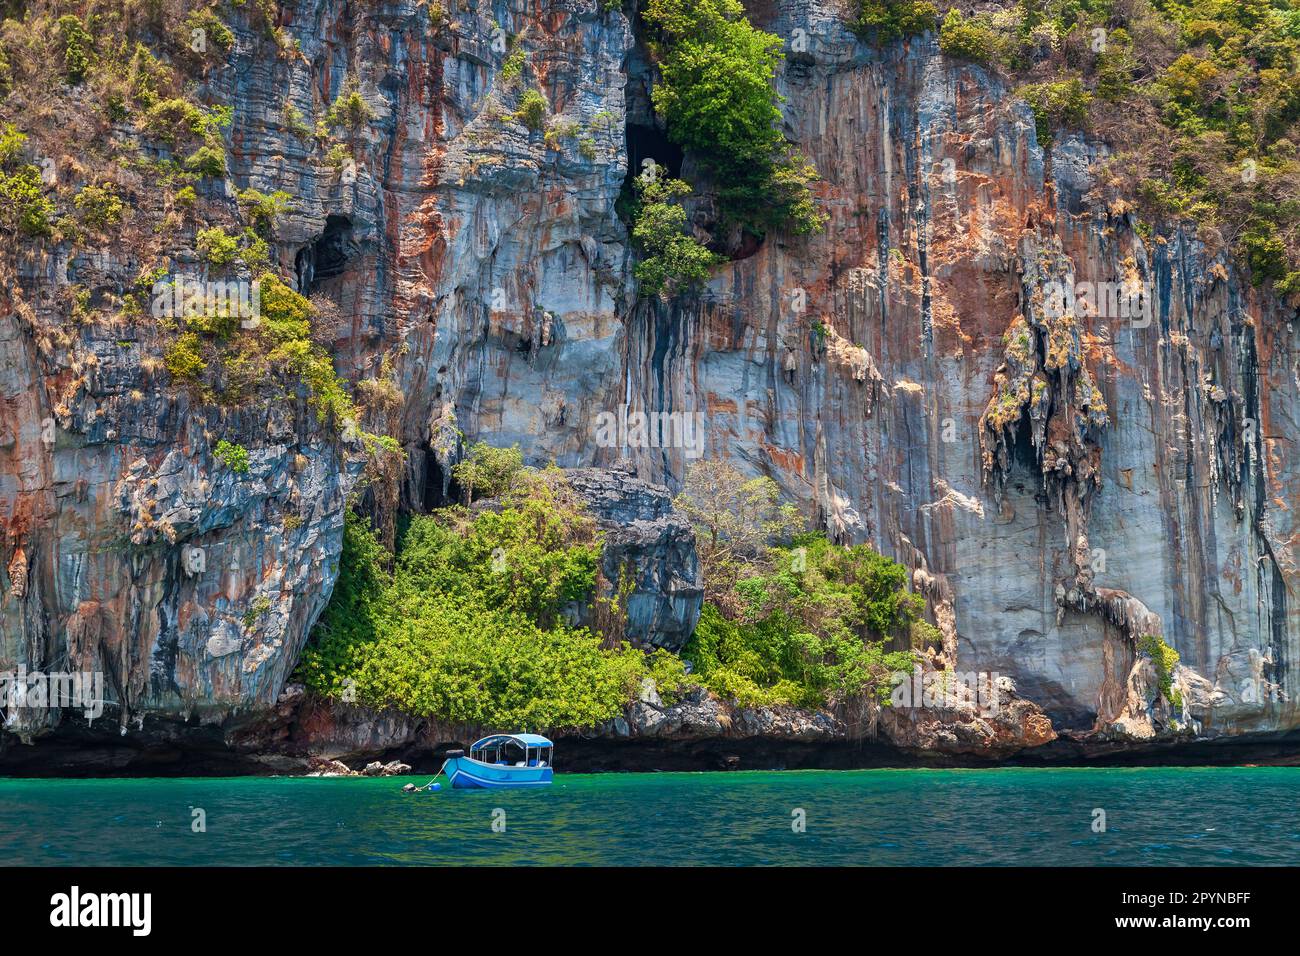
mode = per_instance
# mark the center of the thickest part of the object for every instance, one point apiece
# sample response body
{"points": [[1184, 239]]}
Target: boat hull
{"points": [[466, 773]]}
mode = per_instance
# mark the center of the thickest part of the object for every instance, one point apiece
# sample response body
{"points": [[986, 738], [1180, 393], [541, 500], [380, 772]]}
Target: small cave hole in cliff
{"points": [[649, 142], [646, 143], [433, 496], [1025, 471], [327, 257]]}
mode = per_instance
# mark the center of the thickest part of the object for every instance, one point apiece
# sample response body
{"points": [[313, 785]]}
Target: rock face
{"points": [[1060, 482], [649, 548], [126, 549]]}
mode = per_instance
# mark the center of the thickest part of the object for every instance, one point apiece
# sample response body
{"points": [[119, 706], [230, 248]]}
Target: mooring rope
{"points": [[435, 776]]}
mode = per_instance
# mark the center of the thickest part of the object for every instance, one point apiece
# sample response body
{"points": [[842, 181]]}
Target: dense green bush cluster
{"points": [[183, 358], [1199, 98], [216, 247], [213, 29], [886, 20], [532, 110], [24, 206], [349, 109], [263, 209], [487, 472], [812, 628], [717, 96], [967, 40], [1062, 103], [1164, 658], [233, 456], [100, 207], [286, 325], [278, 345], [468, 625], [77, 48], [805, 622]]}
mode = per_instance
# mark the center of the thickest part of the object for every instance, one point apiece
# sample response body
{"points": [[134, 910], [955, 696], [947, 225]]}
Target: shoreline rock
{"points": [[303, 736]]}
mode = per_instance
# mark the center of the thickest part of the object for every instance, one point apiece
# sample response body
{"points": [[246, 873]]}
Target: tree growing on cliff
{"points": [[717, 95], [967, 39], [789, 617], [810, 627], [488, 471], [673, 261], [349, 109], [886, 20], [736, 519]]}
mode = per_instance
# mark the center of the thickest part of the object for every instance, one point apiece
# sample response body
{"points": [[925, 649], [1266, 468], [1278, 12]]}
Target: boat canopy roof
{"points": [[523, 740]]}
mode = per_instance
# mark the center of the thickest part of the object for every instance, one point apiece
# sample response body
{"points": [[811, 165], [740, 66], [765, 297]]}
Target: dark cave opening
{"points": [[327, 257], [650, 142], [645, 143], [434, 476], [1023, 452], [433, 497], [330, 251]]}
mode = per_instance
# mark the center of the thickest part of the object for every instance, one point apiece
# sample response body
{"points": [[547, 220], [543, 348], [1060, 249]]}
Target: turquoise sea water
{"points": [[1155, 816]]}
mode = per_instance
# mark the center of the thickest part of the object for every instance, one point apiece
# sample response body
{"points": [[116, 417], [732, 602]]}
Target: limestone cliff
{"points": [[1060, 482]]}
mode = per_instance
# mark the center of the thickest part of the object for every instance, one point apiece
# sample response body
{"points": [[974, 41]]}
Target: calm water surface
{"points": [[1155, 816]]}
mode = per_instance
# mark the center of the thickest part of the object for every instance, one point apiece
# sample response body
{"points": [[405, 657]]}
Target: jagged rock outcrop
{"points": [[1060, 481], [990, 720], [700, 714], [648, 552]]}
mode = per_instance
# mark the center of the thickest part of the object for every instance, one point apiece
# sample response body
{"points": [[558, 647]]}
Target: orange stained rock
{"points": [[716, 403], [790, 462]]}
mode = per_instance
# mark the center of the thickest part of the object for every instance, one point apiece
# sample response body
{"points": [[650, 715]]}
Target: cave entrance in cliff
{"points": [[327, 257], [649, 142], [433, 496]]}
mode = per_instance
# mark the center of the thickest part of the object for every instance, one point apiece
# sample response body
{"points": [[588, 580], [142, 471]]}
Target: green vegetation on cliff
{"points": [[716, 94], [806, 622], [229, 358], [469, 625], [1164, 658], [233, 456], [809, 631], [1200, 100], [672, 261], [117, 151], [469, 618], [24, 207], [886, 20]]}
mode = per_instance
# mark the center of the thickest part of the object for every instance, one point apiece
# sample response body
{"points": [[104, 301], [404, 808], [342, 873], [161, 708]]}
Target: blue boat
{"points": [[501, 761]]}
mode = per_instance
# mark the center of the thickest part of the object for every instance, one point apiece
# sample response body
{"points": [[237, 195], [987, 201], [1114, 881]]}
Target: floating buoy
{"points": [[412, 788]]}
